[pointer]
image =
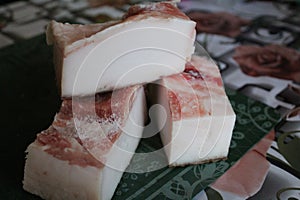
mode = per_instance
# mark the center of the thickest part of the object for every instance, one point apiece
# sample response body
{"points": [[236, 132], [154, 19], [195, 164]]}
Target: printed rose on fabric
{"points": [[271, 60], [220, 23]]}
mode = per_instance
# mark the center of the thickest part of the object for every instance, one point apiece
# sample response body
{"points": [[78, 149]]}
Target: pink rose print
{"points": [[220, 23], [271, 60]]}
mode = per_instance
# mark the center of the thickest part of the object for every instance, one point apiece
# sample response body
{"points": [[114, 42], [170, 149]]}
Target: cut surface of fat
{"points": [[200, 118], [58, 166], [147, 44]]}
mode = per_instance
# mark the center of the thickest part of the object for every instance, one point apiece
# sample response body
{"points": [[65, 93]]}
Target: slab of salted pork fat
{"points": [[151, 41], [84, 153], [200, 119]]}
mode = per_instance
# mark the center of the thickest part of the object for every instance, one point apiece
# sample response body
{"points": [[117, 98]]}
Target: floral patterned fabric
{"points": [[270, 60], [221, 23], [256, 45]]}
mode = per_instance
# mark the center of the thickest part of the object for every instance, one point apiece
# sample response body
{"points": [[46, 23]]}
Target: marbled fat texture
{"points": [[150, 42], [200, 118], [84, 153]]}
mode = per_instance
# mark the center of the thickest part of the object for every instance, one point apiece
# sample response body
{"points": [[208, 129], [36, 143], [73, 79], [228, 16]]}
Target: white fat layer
{"points": [[200, 138], [51, 178], [209, 141], [128, 53], [123, 149]]}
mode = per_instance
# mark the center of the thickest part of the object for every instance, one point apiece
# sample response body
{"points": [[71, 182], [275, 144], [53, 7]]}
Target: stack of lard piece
{"points": [[151, 41], [200, 118], [83, 154], [64, 164]]}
